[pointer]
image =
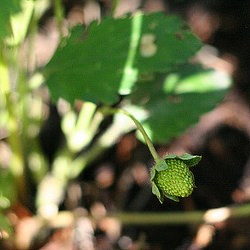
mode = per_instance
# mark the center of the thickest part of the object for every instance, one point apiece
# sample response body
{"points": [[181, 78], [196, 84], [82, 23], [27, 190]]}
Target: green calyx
{"points": [[172, 178]]}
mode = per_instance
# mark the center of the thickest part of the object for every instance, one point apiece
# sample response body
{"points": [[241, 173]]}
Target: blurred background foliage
{"points": [[60, 63]]}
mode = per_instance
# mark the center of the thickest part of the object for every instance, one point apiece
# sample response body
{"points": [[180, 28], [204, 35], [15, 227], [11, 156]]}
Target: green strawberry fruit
{"points": [[172, 178], [176, 180]]}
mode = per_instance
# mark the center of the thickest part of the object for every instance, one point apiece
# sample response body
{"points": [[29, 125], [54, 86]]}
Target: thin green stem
{"points": [[114, 6], [185, 217], [139, 127], [10, 105], [59, 13], [4, 77]]}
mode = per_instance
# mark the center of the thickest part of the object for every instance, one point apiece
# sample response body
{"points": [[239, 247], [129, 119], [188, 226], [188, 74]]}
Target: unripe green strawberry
{"points": [[172, 178], [176, 180]]}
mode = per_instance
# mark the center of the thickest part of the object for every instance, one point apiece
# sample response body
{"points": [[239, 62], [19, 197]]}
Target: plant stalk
{"points": [[59, 13], [139, 127]]}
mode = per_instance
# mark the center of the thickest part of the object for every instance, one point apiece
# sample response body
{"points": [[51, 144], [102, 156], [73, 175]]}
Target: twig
{"points": [[176, 218]]}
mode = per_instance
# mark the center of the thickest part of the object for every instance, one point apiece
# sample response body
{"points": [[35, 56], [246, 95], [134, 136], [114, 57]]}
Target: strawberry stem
{"points": [[139, 127]]}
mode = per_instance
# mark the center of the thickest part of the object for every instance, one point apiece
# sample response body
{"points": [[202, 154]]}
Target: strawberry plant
{"points": [[147, 66]]}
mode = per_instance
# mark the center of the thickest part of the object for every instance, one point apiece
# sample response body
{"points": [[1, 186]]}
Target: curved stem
{"points": [[139, 127]]}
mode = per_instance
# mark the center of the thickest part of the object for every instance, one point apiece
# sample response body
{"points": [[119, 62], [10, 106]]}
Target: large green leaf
{"points": [[90, 69], [171, 110], [174, 43], [7, 8], [104, 60], [169, 118]]}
